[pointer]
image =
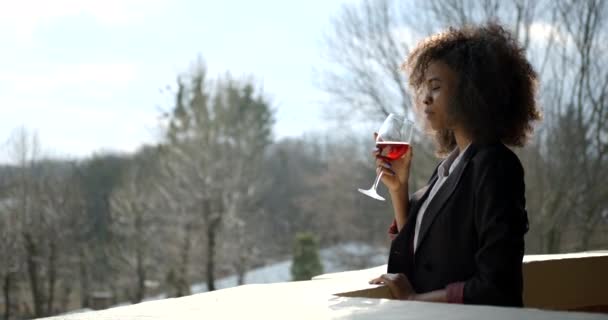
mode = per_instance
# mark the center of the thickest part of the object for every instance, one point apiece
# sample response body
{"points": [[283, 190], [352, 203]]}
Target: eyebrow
{"points": [[433, 79]]}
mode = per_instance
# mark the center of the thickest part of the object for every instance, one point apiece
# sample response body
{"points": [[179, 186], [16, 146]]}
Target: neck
{"points": [[462, 139]]}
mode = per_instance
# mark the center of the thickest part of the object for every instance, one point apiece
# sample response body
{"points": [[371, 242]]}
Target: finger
{"points": [[375, 151], [385, 171], [408, 154], [391, 284], [387, 167], [388, 172], [381, 162], [376, 281], [387, 277]]}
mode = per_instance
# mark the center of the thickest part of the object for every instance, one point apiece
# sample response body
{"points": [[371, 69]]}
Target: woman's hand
{"points": [[396, 173], [398, 283]]}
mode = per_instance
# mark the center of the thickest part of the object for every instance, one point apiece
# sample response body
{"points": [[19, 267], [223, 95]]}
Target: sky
{"points": [[87, 75]]}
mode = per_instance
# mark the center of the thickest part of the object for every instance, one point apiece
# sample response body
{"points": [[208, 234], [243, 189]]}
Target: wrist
{"points": [[399, 193]]}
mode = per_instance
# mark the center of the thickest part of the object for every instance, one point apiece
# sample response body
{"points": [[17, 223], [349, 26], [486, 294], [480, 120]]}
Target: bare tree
{"points": [[39, 200], [366, 49], [31, 220], [180, 223], [71, 233], [136, 223], [581, 117], [57, 198], [216, 136], [10, 249]]}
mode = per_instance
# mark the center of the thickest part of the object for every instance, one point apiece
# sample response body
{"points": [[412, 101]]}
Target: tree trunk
{"points": [[7, 295], [182, 278], [588, 231], [240, 275], [32, 269], [241, 267], [212, 219], [66, 295], [553, 241], [52, 277], [139, 258], [141, 276], [84, 281], [211, 237]]}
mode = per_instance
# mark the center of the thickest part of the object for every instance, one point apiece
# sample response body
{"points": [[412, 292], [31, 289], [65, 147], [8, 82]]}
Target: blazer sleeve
{"points": [[501, 221]]}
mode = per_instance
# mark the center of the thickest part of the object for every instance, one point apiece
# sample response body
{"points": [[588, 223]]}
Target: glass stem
{"points": [[377, 180]]}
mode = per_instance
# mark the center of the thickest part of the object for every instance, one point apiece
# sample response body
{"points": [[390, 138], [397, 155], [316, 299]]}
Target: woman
{"points": [[461, 238]]}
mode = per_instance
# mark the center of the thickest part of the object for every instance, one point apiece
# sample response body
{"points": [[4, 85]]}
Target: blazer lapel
{"points": [[444, 193]]}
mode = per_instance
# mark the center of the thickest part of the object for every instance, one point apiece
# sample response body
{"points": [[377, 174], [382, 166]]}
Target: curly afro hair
{"points": [[495, 98]]}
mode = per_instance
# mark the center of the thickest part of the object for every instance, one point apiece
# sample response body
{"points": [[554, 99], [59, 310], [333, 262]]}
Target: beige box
{"points": [[574, 281]]}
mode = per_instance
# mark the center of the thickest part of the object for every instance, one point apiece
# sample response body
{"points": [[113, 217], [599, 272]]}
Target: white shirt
{"points": [[443, 172]]}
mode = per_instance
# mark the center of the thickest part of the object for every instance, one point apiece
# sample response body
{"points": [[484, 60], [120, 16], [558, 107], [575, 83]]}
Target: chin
{"points": [[434, 126]]}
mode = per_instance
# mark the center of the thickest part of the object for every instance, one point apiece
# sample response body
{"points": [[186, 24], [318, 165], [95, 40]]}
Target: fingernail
{"points": [[391, 171], [387, 165]]}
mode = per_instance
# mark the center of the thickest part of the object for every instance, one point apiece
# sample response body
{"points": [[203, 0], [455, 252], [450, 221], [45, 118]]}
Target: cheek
{"points": [[441, 105], [436, 95], [440, 115], [440, 99]]}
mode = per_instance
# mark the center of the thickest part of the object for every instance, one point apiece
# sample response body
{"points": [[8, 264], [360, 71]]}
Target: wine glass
{"points": [[393, 141]]}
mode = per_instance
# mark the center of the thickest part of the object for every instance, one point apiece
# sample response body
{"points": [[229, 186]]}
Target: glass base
{"points": [[372, 193]]}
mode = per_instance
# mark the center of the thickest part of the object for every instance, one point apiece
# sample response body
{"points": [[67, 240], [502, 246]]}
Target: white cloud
{"points": [[69, 77], [78, 130], [22, 18], [79, 108], [541, 32], [406, 35]]}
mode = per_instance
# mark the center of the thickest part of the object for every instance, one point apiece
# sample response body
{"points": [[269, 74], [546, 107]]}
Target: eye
{"points": [[435, 88]]}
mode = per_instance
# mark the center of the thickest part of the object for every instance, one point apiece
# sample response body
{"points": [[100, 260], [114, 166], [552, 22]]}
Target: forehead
{"points": [[439, 70]]}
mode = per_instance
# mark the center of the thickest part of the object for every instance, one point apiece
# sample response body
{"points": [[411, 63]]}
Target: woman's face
{"points": [[436, 93]]}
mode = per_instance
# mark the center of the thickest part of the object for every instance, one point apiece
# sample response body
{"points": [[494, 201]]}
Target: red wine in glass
{"points": [[393, 140], [392, 150]]}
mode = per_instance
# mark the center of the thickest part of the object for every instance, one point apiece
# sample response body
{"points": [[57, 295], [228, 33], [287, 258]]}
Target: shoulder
{"points": [[496, 156], [496, 162]]}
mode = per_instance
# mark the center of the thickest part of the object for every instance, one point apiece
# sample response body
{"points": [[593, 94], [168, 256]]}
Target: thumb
{"points": [[393, 288], [376, 281]]}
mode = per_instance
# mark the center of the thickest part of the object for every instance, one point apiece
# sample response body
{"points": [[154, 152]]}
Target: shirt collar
{"points": [[449, 164]]}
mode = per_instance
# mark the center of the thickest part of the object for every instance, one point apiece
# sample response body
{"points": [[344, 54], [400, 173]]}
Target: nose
{"points": [[427, 99]]}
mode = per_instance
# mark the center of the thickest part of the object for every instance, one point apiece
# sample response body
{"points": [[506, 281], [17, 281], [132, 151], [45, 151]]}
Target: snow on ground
{"points": [[344, 257]]}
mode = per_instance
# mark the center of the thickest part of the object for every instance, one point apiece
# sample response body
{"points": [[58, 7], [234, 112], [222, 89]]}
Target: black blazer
{"points": [[472, 231]]}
